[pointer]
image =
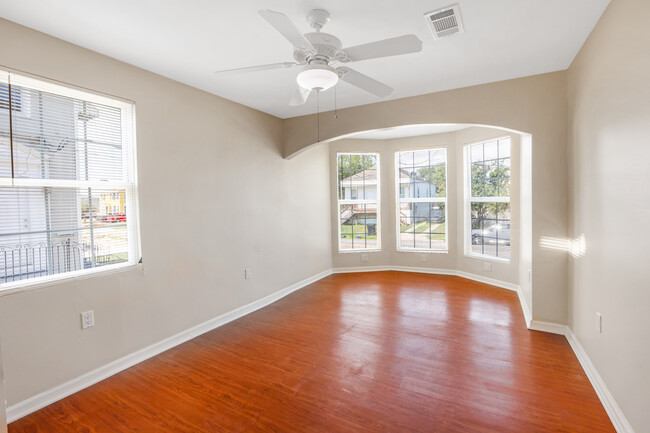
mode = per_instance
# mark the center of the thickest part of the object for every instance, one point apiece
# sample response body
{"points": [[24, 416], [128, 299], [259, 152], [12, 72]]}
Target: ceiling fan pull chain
{"points": [[317, 115], [336, 116]]}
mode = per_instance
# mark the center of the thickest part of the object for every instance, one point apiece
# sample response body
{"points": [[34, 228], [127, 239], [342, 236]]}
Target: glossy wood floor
{"points": [[369, 352]]}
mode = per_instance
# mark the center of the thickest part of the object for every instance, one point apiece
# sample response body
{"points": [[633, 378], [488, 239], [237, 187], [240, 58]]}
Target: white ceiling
{"points": [[188, 40], [407, 131]]}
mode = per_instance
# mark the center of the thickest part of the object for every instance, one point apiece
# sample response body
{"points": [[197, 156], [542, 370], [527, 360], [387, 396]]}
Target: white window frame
{"points": [[468, 199], [129, 162], [358, 201], [399, 200]]}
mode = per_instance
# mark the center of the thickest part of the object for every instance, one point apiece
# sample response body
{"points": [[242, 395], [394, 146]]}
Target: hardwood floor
{"points": [[367, 352]]}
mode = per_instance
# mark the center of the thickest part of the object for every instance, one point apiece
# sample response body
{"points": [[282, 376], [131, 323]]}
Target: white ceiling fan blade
{"points": [[299, 97], [388, 47], [248, 69], [364, 82], [282, 24]]}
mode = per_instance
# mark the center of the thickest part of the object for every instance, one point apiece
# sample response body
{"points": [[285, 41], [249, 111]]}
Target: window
{"points": [[59, 168], [488, 198], [359, 212], [421, 179], [16, 98]]}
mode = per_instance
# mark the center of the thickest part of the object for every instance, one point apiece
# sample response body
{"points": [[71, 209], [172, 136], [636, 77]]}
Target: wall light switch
{"points": [[487, 267], [248, 273], [599, 323], [364, 257]]}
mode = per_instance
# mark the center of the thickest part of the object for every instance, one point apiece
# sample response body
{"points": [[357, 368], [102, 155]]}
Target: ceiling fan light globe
{"points": [[318, 78]]}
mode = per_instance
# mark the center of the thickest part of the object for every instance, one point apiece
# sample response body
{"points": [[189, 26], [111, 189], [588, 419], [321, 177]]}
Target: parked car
{"points": [[492, 235], [115, 218], [437, 215]]}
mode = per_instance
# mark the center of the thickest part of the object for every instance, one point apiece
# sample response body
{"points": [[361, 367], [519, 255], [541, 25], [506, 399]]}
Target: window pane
{"points": [[504, 148], [490, 229], [476, 153], [421, 158], [490, 150], [490, 176], [48, 231], [422, 223], [66, 138], [358, 225]]}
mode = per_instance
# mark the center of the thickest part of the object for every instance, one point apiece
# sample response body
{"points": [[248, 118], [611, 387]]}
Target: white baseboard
{"points": [[361, 269], [615, 413], [606, 398], [528, 317], [52, 395], [553, 328]]}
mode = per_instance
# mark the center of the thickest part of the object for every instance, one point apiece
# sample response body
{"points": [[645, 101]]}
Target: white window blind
{"points": [[421, 185], [67, 181]]}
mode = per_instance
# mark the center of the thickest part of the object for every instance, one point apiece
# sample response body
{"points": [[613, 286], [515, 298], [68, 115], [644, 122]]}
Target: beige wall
{"points": [[455, 258], [535, 105], [609, 187], [216, 196]]}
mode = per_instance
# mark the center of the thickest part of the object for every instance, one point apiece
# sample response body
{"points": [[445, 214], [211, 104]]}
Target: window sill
{"points": [[359, 251], [413, 250], [16, 287], [484, 257]]}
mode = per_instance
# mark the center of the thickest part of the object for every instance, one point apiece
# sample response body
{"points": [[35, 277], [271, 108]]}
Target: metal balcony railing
{"points": [[26, 261]]}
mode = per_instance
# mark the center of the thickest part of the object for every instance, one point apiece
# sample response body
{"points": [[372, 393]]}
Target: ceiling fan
{"points": [[317, 54]]}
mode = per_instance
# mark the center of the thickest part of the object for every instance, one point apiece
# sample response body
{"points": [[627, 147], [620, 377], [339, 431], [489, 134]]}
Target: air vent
{"points": [[444, 22]]}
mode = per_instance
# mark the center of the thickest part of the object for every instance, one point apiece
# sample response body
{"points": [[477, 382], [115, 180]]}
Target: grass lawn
{"points": [[441, 228], [349, 231], [112, 258]]}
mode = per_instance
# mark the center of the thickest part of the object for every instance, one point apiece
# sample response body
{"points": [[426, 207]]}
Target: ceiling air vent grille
{"points": [[444, 22]]}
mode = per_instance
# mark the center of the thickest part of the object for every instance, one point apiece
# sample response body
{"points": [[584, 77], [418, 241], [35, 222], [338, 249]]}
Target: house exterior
{"points": [[411, 185], [111, 204], [363, 186]]}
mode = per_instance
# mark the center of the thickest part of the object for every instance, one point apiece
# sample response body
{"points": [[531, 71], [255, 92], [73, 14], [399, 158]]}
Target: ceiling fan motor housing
{"points": [[328, 48]]}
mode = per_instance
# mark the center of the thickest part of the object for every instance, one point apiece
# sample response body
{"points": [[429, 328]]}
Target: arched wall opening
{"points": [[533, 105], [459, 257]]}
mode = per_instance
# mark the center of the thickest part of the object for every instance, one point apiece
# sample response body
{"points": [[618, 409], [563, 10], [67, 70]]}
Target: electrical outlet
{"points": [[487, 267], [599, 323], [364, 257], [423, 258], [87, 319], [248, 273]]}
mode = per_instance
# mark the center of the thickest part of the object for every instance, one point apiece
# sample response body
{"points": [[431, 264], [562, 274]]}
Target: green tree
{"points": [[349, 165], [435, 175], [489, 180]]}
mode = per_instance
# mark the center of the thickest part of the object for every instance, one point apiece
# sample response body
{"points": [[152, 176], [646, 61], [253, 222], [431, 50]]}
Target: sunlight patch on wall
{"points": [[577, 247]]}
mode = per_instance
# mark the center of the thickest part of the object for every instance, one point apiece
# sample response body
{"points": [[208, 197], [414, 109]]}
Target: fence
{"points": [[23, 262]]}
